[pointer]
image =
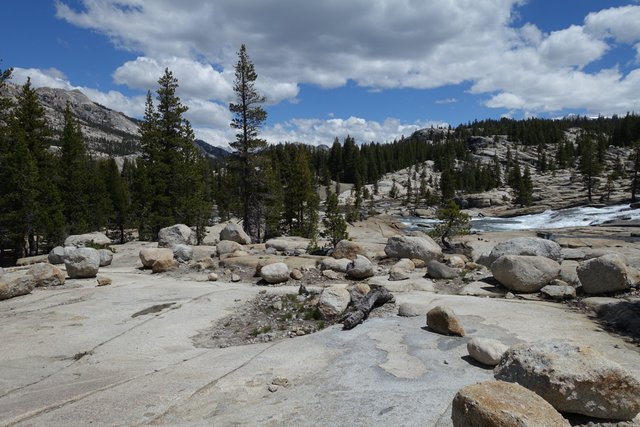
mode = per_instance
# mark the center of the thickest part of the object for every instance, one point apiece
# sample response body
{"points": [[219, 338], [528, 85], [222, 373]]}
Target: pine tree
{"points": [[590, 167], [173, 180], [120, 199], [74, 171], [249, 116], [635, 181], [525, 188], [335, 227], [28, 127], [452, 223]]}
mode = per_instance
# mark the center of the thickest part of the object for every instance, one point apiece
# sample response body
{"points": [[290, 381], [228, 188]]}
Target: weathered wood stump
{"points": [[362, 306]]}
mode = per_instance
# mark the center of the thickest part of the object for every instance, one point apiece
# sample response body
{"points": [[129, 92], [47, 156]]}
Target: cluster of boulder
{"points": [[80, 257], [80, 260], [536, 382]]}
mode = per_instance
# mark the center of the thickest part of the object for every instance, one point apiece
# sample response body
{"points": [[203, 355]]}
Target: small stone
{"points": [[280, 381], [486, 351], [330, 274], [443, 320], [509, 295], [212, 277], [272, 388], [235, 278], [558, 293], [362, 288], [296, 274], [300, 332], [104, 281], [277, 305]]}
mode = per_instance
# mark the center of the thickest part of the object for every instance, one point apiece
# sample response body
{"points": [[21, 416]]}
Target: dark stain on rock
{"points": [[153, 309]]}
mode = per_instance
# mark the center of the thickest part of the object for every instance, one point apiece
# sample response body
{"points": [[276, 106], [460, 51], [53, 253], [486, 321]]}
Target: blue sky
{"points": [[374, 69]]}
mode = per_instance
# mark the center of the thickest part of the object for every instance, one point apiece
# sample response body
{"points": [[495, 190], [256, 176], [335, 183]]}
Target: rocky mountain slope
{"points": [[107, 133]]}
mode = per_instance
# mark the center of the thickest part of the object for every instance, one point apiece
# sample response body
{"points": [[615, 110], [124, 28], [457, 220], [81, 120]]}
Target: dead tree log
{"points": [[362, 307]]}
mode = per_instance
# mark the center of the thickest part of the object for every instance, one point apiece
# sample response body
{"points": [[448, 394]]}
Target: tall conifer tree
{"points": [[248, 117]]}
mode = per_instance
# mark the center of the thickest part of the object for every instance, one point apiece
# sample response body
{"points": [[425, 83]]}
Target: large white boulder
{"points": [[486, 350], [235, 233], [277, 272], [87, 239], [531, 246], [525, 274], [573, 379], [178, 234], [418, 247], [106, 256], [605, 274], [360, 268], [333, 301], [82, 263]]}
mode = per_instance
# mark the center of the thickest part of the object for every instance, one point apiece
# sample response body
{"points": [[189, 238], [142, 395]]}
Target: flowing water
{"points": [[550, 219]]}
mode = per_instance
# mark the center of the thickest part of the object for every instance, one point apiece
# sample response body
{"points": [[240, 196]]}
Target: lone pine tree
{"points": [[248, 117]]}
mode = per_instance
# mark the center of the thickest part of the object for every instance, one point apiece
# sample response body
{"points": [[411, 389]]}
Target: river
{"points": [[550, 219]]}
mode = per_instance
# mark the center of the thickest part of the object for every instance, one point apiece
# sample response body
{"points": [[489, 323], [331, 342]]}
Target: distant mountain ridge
{"points": [[107, 133]]}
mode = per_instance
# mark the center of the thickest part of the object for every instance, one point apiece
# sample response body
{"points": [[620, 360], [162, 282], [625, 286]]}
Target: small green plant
{"points": [[452, 223]]}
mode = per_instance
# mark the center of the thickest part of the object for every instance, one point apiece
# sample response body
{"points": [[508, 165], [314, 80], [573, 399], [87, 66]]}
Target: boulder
{"points": [[106, 257], [17, 287], [405, 264], [149, 256], [438, 270], [333, 301], [573, 379], [420, 247], [183, 253], [348, 249], [82, 263], [558, 292], [162, 265], [525, 274], [57, 255], [227, 247], [605, 274], [30, 260], [339, 265], [360, 268], [234, 233], [283, 244], [531, 246], [275, 273], [443, 320], [486, 351], [397, 274], [178, 234], [408, 309], [502, 404], [88, 239], [46, 275]]}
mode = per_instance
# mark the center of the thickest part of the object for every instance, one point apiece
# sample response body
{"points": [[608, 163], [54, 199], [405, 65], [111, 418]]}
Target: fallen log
{"points": [[376, 297]]}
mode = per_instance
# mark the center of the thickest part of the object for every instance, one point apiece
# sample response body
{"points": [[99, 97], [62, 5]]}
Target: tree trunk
{"points": [[375, 298]]}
